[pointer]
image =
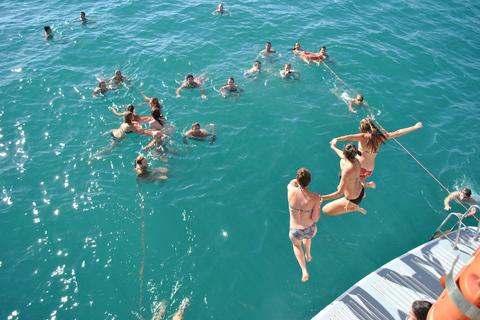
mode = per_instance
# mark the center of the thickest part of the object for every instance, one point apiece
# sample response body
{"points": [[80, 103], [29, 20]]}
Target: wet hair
{"points": [[81, 12], [304, 177], [156, 133], [195, 124], [127, 117], [47, 28], [350, 151], [323, 47], [467, 192], [130, 108], [157, 103], [100, 83], [188, 76], [231, 79], [288, 64], [360, 97], [258, 62], [375, 138], [420, 309], [268, 42], [139, 160]]}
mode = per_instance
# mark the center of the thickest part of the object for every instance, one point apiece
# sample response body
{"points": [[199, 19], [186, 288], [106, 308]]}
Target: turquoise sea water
{"points": [[80, 239]]}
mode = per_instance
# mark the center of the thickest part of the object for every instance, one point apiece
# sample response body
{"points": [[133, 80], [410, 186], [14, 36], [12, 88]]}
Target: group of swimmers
{"points": [[356, 165]]}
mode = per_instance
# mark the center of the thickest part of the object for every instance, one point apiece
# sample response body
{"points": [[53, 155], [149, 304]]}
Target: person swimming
{"points": [[220, 10], [358, 101], [255, 70], [196, 132], [48, 34], [190, 84], [296, 49], [231, 87], [144, 174], [159, 146], [102, 88], [287, 72], [118, 77]]}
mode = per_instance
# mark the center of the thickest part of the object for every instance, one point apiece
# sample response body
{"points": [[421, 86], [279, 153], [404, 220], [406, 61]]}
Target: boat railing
{"points": [[458, 224]]}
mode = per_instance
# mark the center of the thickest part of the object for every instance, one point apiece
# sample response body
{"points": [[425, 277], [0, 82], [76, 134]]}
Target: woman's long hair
{"points": [[375, 138]]}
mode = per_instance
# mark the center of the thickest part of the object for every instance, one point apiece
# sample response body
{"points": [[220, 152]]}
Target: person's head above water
{"points": [[359, 98], [102, 85], [268, 45], [288, 66], [297, 46], [466, 193], [350, 151], [258, 65], [231, 81], [141, 161], [303, 177], [155, 103], [131, 108], [82, 15], [220, 7], [196, 126], [322, 49], [47, 29]]}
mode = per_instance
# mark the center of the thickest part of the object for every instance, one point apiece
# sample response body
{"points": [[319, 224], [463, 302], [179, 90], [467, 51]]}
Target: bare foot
{"points": [[361, 210], [305, 276], [370, 184], [308, 256]]}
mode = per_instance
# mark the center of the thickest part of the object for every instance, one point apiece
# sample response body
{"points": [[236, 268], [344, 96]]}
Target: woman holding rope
{"points": [[369, 140]]}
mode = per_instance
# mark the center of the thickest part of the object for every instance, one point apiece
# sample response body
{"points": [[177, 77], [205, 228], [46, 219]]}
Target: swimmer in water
{"points": [[358, 102], [48, 34], [196, 132], [297, 49], [287, 72], [159, 146], [84, 19], [190, 83], [119, 77], [220, 10], [465, 196], [268, 49], [149, 175], [231, 87], [153, 102], [322, 52], [102, 88], [316, 57], [160, 312], [255, 70], [130, 108]]}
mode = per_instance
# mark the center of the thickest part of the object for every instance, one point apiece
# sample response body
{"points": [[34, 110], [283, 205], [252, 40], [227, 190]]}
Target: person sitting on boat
{"points": [[119, 77], [231, 87], [149, 175], [287, 72], [196, 133], [358, 101], [369, 141], [268, 50], [350, 184], [304, 207], [191, 83], [102, 88], [419, 310], [255, 70], [465, 196]]}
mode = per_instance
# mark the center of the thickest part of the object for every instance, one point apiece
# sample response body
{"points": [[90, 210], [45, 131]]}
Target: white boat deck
{"points": [[389, 292]]}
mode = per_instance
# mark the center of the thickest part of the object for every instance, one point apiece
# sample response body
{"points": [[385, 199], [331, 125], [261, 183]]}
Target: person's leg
{"points": [[298, 251], [307, 243], [341, 206]]}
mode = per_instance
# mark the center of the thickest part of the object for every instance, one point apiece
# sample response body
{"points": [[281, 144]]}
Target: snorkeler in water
{"points": [[191, 83]]}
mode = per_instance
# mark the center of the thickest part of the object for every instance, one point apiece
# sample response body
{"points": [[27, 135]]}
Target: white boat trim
{"points": [[388, 292]]}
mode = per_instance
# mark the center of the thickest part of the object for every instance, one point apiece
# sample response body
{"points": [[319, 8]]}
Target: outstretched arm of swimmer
{"points": [[178, 90], [148, 146], [202, 91], [401, 132], [144, 96], [115, 111], [450, 197], [184, 138], [351, 137]]}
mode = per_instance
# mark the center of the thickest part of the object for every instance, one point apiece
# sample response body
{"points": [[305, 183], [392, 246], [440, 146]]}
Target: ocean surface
{"points": [[82, 239]]}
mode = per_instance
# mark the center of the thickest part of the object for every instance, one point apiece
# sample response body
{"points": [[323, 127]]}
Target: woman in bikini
{"points": [[350, 184], [304, 207], [369, 141]]}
